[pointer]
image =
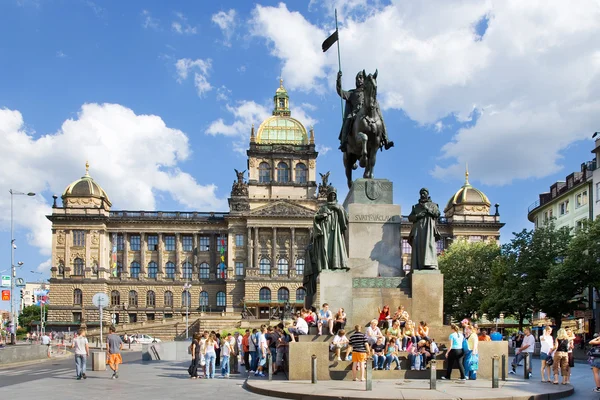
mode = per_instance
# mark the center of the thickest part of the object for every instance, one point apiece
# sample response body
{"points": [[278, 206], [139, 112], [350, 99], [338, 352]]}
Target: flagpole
{"points": [[339, 61]]}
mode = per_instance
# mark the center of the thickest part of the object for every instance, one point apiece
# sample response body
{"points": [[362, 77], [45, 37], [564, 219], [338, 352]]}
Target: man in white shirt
{"points": [[301, 327], [325, 318], [263, 349], [82, 351], [46, 342], [527, 346]]}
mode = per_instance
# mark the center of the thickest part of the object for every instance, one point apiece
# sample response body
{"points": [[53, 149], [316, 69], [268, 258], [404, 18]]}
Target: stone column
{"points": [[178, 268], [255, 255], [249, 247], [143, 263], [292, 252], [68, 263], [195, 251], [274, 253], [102, 253], [125, 259], [88, 262], [161, 267]]}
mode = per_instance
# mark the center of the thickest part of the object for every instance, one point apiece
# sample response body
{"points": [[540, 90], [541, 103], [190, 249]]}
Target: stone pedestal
{"points": [[98, 361], [427, 289]]}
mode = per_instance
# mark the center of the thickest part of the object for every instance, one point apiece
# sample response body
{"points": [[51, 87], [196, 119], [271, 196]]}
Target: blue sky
{"points": [[160, 96]]}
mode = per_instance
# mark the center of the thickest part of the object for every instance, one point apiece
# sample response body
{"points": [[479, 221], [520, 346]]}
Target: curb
{"points": [[38, 361]]}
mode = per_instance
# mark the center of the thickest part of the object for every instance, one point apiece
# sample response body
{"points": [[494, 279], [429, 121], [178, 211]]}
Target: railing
{"points": [[533, 206], [177, 215]]}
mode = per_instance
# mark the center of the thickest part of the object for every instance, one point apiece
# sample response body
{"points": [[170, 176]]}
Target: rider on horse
{"points": [[354, 103]]}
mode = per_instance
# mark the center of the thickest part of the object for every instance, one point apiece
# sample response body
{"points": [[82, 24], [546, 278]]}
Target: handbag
{"points": [[594, 352], [202, 360], [549, 360], [474, 364]]}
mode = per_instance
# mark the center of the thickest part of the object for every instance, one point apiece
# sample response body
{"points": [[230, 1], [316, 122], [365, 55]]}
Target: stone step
{"points": [[346, 375], [315, 338]]}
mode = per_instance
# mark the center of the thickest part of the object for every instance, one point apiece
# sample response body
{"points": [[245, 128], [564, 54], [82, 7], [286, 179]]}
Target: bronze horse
{"points": [[365, 137]]}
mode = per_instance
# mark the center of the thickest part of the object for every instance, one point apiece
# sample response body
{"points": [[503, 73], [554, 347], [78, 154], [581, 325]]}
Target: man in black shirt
{"points": [[360, 349]]}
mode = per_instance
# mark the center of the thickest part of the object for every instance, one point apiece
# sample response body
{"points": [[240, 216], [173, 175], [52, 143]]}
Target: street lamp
{"points": [[42, 303], [13, 246]]}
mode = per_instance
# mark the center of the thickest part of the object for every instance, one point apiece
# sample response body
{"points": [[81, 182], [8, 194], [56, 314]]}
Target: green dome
{"points": [[281, 129]]}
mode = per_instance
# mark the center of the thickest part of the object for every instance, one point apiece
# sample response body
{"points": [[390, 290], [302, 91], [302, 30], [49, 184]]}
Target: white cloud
{"points": [[45, 266], [60, 54], [181, 26], [149, 21], [116, 142], [226, 22], [439, 126], [532, 79], [223, 93], [322, 149], [242, 68], [201, 70]]}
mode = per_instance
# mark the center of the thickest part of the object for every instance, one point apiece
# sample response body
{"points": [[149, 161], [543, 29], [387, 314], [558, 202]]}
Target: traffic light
{"points": [[33, 299], [21, 291]]}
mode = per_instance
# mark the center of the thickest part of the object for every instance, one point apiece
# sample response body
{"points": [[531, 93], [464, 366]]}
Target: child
{"points": [[339, 343], [391, 354]]}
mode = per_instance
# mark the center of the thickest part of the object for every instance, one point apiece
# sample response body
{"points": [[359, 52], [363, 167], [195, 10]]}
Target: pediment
{"points": [[283, 209]]}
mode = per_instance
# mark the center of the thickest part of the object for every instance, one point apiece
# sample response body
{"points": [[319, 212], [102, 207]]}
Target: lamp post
{"points": [[13, 274], [42, 302]]}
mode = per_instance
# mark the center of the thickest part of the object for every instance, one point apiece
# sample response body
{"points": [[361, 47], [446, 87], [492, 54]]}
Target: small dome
{"points": [[468, 195], [85, 187], [280, 129]]}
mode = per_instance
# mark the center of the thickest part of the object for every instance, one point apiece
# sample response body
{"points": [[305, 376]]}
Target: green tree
{"points": [[466, 268], [30, 314]]}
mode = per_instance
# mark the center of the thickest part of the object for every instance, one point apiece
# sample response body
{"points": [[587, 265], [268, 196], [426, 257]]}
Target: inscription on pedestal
{"points": [[386, 282], [376, 218]]}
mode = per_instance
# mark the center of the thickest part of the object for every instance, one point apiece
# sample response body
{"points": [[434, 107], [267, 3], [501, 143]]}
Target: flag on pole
{"points": [[330, 41]]}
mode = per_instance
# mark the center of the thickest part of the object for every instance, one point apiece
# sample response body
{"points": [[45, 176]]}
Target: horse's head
{"points": [[370, 89]]}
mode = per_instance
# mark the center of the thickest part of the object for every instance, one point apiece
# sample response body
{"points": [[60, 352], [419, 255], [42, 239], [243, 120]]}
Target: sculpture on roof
{"points": [[324, 185], [424, 232], [239, 188]]}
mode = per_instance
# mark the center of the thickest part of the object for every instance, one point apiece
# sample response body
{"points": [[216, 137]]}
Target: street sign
{"points": [[100, 300], [20, 282], [5, 281], [6, 295]]}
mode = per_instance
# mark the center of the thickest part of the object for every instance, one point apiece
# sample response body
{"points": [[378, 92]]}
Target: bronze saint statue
{"points": [[424, 232]]}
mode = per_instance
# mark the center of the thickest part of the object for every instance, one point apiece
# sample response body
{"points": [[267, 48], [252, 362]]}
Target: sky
{"points": [[160, 97]]}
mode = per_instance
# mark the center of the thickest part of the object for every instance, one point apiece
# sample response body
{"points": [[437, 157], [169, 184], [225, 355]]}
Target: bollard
{"points": [[495, 384], [503, 371], [270, 364], [313, 372], [432, 374], [526, 366], [369, 373]]}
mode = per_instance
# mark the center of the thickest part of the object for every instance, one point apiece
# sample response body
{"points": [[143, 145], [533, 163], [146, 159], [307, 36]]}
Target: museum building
{"points": [[159, 265]]}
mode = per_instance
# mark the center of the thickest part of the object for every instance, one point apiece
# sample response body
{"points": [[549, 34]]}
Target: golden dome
{"points": [[85, 187], [467, 195]]}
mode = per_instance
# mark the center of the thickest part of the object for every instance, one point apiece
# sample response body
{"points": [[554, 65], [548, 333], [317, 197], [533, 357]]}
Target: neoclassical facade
{"points": [[158, 265]]}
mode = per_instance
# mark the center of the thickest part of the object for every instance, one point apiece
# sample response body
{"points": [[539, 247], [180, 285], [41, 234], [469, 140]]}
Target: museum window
{"points": [[239, 240], [439, 246], [150, 317], [77, 297], [581, 199], [283, 295], [239, 268], [132, 317], [300, 295], [79, 238], [152, 270], [186, 299], [300, 266], [187, 270], [264, 173], [282, 266], [134, 269], [115, 298], [119, 269], [170, 242], [133, 298], [120, 242], [187, 243], [204, 243], [264, 295], [283, 172], [221, 299], [150, 298], [76, 317], [135, 243], [406, 247], [264, 266], [152, 242], [563, 208], [78, 267], [204, 271], [222, 244], [170, 270], [168, 298], [301, 175], [222, 271], [203, 299]]}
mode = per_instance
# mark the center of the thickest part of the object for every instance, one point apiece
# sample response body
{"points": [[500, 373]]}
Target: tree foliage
{"points": [[30, 314]]}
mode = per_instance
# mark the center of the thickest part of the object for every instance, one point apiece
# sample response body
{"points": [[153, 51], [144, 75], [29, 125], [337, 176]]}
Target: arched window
{"points": [[301, 175], [283, 172], [134, 269], [152, 270], [264, 173], [204, 271], [186, 299], [115, 298], [168, 298], [78, 267], [133, 298], [300, 266], [187, 270], [282, 266], [170, 270], [300, 295], [150, 298], [264, 295], [77, 297], [221, 299], [283, 295], [264, 266], [204, 299]]}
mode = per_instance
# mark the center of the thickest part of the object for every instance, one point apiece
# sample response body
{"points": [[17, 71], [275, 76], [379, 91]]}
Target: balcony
{"points": [[168, 215]]}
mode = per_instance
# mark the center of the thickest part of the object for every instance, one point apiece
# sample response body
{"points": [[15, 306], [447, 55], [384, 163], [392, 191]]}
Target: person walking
{"points": [[82, 351], [114, 345], [471, 352], [546, 346], [210, 355], [360, 349], [561, 357], [527, 346], [455, 353]]}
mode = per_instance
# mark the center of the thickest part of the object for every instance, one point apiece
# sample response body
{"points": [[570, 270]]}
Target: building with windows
{"points": [[157, 265], [568, 202], [32, 292], [595, 192]]}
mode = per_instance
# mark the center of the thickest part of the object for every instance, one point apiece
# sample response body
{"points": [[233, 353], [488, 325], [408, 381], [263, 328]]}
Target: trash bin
{"points": [[98, 361]]}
